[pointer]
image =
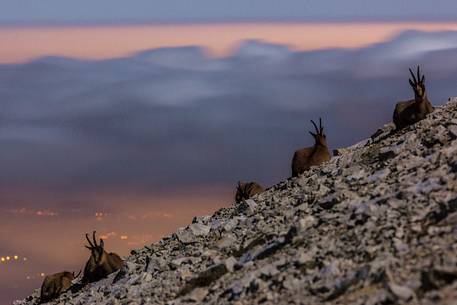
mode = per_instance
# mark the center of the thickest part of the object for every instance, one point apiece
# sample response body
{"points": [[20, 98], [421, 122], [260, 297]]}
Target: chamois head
{"points": [[418, 84], [319, 136], [245, 190], [97, 251], [241, 192]]}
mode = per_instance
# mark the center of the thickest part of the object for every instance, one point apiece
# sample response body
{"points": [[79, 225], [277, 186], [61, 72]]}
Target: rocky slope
{"points": [[375, 225]]}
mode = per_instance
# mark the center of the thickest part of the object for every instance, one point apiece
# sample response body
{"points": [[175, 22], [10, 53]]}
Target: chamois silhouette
{"points": [[56, 284], [304, 158], [100, 263], [245, 190], [409, 112]]}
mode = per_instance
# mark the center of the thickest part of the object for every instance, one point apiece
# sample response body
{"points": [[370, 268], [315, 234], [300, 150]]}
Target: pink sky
{"points": [[21, 44]]}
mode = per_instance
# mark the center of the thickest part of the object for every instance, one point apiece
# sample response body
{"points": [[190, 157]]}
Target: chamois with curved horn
{"points": [[409, 112], [100, 263], [311, 156], [245, 190], [56, 284]]}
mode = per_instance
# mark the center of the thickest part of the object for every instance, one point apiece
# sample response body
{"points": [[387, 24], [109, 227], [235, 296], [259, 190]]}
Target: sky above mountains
{"points": [[23, 43], [116, 11]]}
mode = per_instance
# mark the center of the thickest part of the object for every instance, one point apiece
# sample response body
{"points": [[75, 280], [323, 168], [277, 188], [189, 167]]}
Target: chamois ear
{"points": [[423, 79], [313, 134], [411, 83], [238, 186], [102, 243]]}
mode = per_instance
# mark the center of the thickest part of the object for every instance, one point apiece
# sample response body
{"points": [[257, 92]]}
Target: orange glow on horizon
{"points": [[21, 44]]}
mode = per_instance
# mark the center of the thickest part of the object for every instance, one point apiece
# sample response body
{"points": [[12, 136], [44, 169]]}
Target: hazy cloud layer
{"points": [[170, 118]]}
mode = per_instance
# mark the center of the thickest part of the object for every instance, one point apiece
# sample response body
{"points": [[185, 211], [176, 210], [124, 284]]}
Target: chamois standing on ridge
{"points": [[100, 263], [245, 190], [311, 156], [56, 284], [409, 112]]}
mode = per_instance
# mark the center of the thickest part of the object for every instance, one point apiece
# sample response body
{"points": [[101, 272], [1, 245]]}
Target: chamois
{"points": [[247, 190], [100, 263], [56, 284], [409, 112], [311, 156]]}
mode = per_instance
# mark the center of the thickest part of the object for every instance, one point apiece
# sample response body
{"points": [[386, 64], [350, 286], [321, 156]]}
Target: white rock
{"points": [[199, 229], [146, 277], [304, 258], [306, 222], [198, 294], [252, 205], [226, 242], [230, 224], [185, 236], [379, 175], [230, 263], [269, 270], [402, 292]]}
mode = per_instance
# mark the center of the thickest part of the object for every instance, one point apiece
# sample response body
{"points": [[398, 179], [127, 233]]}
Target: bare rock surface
{"points": [[377, 224]]}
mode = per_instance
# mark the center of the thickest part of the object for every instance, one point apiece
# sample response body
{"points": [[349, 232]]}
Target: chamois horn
{"points": [[88, 240], [93, 237], [315, 126], [412, 74]]}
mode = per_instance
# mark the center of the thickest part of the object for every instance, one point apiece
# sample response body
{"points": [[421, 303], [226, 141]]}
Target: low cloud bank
{"points": [[173, 117]]}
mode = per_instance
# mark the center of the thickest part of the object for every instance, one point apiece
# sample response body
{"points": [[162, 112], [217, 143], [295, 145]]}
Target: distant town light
{"points": [[6, 259], [41, 274], [124, 237]]}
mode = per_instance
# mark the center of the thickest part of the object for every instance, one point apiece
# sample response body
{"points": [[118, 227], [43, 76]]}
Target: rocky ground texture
{"points": [[375, 225]]}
